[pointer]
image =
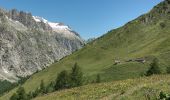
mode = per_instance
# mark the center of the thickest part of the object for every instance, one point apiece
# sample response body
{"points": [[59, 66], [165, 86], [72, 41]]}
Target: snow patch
{"points": [[39, 19], [5, 70], [17, 21], [56, 26]]}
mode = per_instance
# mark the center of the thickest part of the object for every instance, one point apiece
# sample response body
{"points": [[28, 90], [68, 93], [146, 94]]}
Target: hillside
{"points": [[146, 88], [144, 38]]}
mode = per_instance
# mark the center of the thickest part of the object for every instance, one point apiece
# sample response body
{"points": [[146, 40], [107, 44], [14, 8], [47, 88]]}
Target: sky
{"points": [[90, 18]]}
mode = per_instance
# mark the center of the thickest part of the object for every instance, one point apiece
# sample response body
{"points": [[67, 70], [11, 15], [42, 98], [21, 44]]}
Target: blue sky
{"points": [[90, 18]]}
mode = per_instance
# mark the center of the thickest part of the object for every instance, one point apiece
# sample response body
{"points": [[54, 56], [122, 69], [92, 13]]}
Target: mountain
{"points": [[122, 53], [30, 43]]}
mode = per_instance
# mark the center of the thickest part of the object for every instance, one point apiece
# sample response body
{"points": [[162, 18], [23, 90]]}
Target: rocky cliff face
{"points": [[29, 43]]}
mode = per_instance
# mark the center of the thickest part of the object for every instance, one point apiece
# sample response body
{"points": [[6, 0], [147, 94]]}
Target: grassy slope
{"points": [[131, 89], [135, 39]]}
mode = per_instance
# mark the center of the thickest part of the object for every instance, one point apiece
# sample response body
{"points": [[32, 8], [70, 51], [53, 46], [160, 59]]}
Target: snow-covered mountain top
{"points": [[58, 26], [54, 26], [39, 19]]}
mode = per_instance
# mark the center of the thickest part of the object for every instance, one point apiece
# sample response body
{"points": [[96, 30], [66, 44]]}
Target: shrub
{"points": [[164, 96], [162, 25]]}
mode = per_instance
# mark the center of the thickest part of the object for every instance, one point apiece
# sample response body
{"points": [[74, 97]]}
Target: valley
{"points": [[121, 57]]}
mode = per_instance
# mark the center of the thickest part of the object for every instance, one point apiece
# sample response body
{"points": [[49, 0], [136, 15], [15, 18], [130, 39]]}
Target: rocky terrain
{"points": [[31, 43]]}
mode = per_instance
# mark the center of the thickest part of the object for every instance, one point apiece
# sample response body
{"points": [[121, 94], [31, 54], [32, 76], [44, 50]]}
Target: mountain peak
{"points": [[53, 25], [56, 27]]}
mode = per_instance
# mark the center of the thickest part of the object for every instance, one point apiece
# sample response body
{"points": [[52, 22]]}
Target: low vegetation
{"points": [[144, 88], [19, 95], [164, 96], [6, 86], [66, 80]]}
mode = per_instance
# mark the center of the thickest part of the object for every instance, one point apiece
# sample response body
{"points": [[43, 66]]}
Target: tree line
{"points": [[64, 80]]}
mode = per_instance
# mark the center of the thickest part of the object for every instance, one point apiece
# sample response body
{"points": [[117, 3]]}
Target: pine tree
{"points": [[168, 70], [42, 87], [50, 87], [154, 68], [76, 76], [98, 79], [19, 95], [14, 97], [30, 95], [23, 17], [14, 14], [35, 93], [62, 80]]}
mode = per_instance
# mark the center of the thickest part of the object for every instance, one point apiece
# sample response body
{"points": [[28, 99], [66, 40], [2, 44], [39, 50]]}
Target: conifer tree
{"points": [[154, 68], [19, 95], [76, 76], [62, 80], [42, 87], [98, 79]]}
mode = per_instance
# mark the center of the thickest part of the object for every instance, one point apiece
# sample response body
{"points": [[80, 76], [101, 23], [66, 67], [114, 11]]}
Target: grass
{"points": [[130, 89], [134, 40]]}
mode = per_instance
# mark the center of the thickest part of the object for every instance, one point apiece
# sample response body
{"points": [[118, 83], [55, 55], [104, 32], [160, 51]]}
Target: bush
{"points": [[162, 25], [164, 96], [154, 68]]}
